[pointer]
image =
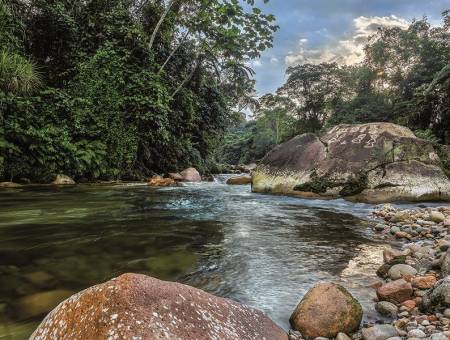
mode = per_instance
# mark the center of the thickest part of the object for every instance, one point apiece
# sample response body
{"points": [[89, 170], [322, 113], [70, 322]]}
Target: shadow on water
{"points": [[262, 250]]}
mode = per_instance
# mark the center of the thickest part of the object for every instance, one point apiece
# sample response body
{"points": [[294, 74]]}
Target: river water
{"points": [[262, 250]]}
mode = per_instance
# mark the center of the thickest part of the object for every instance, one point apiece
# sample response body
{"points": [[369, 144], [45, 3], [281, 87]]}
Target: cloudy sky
{"points": [[331, 30]]}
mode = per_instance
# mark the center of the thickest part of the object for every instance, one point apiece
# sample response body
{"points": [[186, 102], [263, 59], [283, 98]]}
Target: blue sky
{"points": [[326, 30]]}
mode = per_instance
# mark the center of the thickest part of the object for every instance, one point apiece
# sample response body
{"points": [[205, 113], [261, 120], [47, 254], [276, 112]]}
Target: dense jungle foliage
{"points": [[404, 79], [122, 88]]}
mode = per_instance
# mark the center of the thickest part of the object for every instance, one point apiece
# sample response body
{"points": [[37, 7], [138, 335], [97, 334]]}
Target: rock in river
{"points": [[191, 175], [438, 297], [39, 303], [239, 180], [326, 310], [135, 306], [63, 180], [375, 162]]}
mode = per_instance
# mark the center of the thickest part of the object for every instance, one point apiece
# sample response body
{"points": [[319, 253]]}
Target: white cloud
{"points": [[344, 51], [274, 60]]}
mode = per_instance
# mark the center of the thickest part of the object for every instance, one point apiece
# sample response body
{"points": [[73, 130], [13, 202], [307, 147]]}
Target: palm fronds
{"points": [[17, 74]]}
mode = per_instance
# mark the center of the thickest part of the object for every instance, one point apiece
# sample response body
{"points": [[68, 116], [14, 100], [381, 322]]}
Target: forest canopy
{"points": [[404, 79], [109, 89]]}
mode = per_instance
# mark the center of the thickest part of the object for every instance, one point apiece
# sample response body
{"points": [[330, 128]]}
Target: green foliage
{"points": [[17, 74], [111, 104]]}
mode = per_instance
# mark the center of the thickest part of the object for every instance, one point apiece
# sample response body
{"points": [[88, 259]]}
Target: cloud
{"points": [[343, 50]]}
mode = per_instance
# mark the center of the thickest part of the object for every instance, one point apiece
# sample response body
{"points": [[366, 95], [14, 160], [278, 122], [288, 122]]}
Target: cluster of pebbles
{"points": [[414, 294]]}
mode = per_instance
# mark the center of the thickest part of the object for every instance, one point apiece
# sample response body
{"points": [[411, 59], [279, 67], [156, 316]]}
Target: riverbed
{"points": [[262, 250]]}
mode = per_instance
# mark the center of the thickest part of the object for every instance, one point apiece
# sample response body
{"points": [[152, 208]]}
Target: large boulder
{"points": [[158, 181], [375, 162], [326, 310], [135, 306], [191, 175]]}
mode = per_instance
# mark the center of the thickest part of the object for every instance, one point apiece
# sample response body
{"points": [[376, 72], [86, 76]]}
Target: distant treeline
{"points": [[404, 79]]}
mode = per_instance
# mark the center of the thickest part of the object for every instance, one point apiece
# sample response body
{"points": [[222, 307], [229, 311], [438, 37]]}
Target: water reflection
{"points": [[262, 250]]}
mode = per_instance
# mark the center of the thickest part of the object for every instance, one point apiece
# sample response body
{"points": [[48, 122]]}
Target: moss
{"points": [[355, 185], [317, 185], [445, 159]]}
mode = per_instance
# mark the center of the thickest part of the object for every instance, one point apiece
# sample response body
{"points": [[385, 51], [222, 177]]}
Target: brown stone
{"points": [[409, 304], [135, 306], [395, 291], [423, 282], [402, 234], [326, 310], [191, 175], [240, 180], [158, 181], [63, 180]]}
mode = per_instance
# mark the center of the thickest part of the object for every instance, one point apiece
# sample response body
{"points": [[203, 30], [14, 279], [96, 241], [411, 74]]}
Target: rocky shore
{"points": [[413, 293]]}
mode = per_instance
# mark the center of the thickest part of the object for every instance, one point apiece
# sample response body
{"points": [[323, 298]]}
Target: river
{"points": [[262, 250]]}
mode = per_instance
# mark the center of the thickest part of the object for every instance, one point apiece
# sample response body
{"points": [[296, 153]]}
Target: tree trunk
{"points": [[159, 23]]}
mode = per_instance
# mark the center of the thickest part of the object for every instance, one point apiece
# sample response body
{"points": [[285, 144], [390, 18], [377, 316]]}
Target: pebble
{"points": [[386, 308], [342, 336], [416, 333], [379, 332]]}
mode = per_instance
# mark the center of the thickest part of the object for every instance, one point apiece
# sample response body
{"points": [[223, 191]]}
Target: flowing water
{"points": [[262, 250]]}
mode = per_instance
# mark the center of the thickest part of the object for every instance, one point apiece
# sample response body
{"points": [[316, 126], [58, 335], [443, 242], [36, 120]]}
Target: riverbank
{"points": [[413, 295]]}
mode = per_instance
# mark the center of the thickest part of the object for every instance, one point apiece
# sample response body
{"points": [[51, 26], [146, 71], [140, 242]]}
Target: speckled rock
{"points": [[374, 162], [135, 306], [387, 309], [438, 297], [326, 310]]}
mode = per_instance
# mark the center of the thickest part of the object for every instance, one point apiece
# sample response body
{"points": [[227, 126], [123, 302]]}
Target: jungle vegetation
{"points": [[121, 89]]}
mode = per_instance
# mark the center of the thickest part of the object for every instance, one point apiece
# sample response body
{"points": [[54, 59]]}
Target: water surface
{"points": [[262, 250]]}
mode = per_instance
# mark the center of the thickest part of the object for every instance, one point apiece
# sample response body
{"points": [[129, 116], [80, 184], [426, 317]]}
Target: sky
{"points": [[331, 30]]}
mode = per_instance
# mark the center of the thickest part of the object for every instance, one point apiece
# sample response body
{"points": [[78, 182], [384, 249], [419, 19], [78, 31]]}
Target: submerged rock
{"points": [[8, 185], [191, 175], [326, 310], [63, 180], [375, 162], [39, 303], [135, 306], [239, 180]]}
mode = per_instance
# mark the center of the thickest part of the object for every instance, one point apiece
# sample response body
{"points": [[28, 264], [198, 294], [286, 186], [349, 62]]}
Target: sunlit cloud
{"points": [[344, 50]]}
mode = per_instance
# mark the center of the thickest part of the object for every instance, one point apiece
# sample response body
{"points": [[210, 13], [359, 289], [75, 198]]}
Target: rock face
{"points": [[376, 162], [135, 306], [63, 180], [326, 310], [239, 180], [191, 175]]}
